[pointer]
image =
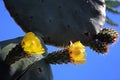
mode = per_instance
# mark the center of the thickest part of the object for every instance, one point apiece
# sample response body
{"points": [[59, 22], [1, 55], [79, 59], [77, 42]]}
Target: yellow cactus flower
{"points": [[77, 53], [31, 44]]}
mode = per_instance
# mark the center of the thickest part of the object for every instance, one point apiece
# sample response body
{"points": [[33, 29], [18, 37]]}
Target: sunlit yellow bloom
{"points": [[77, 53], [31, 44]]}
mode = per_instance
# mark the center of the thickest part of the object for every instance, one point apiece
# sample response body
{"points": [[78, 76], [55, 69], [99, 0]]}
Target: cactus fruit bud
{"points": [[58, 57], [99, 47], [102, 40], [75, 53], [107, 35]]}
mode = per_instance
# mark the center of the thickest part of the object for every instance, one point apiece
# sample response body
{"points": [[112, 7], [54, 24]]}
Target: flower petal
{"points": [[77, 53], [31, 44]]}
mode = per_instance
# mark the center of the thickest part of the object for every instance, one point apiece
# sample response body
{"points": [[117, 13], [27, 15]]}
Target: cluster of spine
{"points": [[102, 40], [15, 54], [58, 57], [107, 35], [99, 47]]}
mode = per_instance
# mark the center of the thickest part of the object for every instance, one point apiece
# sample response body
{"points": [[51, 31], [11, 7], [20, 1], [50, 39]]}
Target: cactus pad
{"points": [[15, 66], [59, 21]]}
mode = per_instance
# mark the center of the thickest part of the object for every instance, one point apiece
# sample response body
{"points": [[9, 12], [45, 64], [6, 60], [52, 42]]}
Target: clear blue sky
{"points": [[97, 67]]}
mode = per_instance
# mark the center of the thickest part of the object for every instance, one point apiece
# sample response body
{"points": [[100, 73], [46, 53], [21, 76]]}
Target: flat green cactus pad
{"points": [[59, 21], [27, 68]]}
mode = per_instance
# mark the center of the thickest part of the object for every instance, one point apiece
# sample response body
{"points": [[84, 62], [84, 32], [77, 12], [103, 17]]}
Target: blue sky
{"points": [[97, 67]]}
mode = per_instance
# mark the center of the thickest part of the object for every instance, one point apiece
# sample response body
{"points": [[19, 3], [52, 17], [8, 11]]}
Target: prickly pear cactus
{"points": [[25, 68], [26, 59], [59, 21], [25, 62]]}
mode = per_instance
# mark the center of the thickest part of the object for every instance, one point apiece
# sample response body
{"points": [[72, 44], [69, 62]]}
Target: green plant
{"points": [[59, 26]]}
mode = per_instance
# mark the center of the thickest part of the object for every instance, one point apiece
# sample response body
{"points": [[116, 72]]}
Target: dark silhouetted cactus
{"points": [[55, 22], [59, 21]]}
